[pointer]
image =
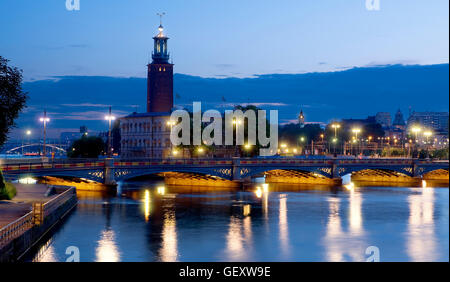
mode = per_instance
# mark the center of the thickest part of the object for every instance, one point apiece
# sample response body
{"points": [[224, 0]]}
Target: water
{"points": [[310, 223]]}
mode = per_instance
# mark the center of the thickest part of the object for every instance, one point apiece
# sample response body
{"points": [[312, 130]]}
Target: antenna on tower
{"points": [[160, 17]]}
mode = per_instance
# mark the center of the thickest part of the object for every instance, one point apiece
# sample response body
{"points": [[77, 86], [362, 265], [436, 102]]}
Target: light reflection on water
{"points": [[288, 223]]}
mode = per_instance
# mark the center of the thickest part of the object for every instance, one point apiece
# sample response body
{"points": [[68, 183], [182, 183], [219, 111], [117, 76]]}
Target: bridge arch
{"points": [[96, 175], [404, 170], [36, 145], [127, 174], [438, 174], [252, 171]]}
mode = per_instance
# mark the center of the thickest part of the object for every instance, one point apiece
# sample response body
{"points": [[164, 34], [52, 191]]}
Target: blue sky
{"points": [[221, 37]]}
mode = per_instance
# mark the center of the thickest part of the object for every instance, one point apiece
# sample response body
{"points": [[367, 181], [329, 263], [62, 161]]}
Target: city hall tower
{"points": [[160, 76]]}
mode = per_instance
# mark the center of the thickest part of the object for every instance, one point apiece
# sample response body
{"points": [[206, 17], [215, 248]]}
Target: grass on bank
{"points": [[7, 190]]}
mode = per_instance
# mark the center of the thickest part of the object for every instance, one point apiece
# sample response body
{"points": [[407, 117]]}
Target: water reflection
{"points": [[146, 205], [169, 245], [144, 223], [421, 243], [235, 248], [283, 225], [46, 253], [345, 245], [107, 250]]}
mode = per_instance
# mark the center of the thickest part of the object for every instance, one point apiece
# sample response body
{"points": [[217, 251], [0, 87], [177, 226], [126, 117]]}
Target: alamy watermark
{"points": [[73, 5], [257, 127], [373, 5], [73, 253], [373, 254]]}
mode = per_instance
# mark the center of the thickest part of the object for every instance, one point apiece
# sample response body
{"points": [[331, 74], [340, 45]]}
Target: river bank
{"points": [[30, 215]]}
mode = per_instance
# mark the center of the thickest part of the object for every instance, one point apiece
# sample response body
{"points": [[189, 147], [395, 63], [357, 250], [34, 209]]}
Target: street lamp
{"points": [[416, 130], [109, 118], [236, 122], [302, 140], [200, 150], [336, 126], [44, 120], [427, 134], [356, 131], [334, 140]]}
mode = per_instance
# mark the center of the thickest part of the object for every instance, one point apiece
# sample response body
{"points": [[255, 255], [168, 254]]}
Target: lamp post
{"points": [[334, 145], [44, 120], [109, 118], [416, 130], [336, 126], [236, 122], [303, 148], [356, 131], [27, 133], [427, 134]]}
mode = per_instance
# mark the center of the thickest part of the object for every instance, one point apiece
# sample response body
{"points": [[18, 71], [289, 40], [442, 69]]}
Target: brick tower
{"points": [[160, 76]]}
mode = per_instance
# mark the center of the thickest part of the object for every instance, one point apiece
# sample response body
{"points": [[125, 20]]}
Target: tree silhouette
{"points": [[12, 97]]}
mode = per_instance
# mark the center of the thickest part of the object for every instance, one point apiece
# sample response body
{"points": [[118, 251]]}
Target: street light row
{"points": [[46, 120]]}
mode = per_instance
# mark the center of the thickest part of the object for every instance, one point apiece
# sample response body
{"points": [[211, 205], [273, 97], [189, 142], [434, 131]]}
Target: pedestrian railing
{"points": [[35, 217], [16, 228], [42, 210]]}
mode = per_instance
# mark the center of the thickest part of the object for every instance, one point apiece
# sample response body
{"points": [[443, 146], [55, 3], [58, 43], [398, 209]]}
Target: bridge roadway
{"points": [[110, 171]]}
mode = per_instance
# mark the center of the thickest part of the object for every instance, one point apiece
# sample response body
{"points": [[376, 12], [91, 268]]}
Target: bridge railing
{"points": [[16, 228], [98, 163]]}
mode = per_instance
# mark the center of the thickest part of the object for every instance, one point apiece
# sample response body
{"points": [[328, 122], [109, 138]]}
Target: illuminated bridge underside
{"points": [[195, 179], [381, 175], [224, 171], [439, 174], [297, 177]]}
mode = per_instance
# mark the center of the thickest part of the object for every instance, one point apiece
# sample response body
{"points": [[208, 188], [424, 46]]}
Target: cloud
{"points": [[87, 115], [257, 104], [389, 63], [86, 105], [225, 66], [77, 46]]}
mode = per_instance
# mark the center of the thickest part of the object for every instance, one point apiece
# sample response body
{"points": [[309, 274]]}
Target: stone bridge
{"points": [[110, 171]]}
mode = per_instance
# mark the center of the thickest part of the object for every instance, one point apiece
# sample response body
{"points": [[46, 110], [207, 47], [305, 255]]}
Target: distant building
{"points": [[436, 121], [83, 130], [368, 120], [384, 119], [399, 121], [147, 135], [67, 138], [301, 119]]}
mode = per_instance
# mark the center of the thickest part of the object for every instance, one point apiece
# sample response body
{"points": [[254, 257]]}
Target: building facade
{"points": [[384, 119], [147, 135], [436, 121]]}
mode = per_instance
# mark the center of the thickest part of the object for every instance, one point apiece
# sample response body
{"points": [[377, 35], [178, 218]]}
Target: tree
{"points": [[7, 190], [12, 97], [292, 133], [86, 147]]}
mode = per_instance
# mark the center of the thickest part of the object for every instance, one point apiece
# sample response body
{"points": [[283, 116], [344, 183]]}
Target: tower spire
{"points": [[160, 17], [160, 52]]}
